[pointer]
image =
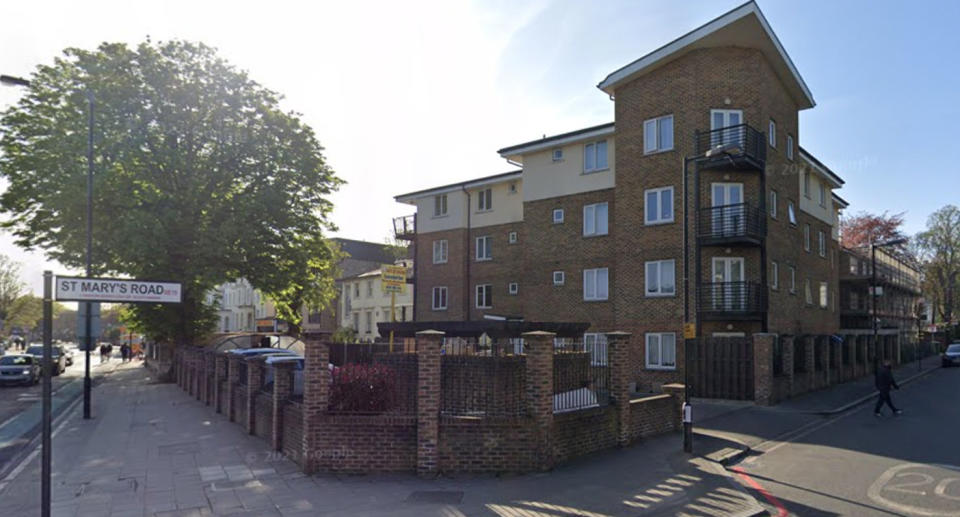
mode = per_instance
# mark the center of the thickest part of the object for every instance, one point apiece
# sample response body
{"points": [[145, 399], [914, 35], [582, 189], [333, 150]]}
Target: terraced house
{"points": [[696, 204]]}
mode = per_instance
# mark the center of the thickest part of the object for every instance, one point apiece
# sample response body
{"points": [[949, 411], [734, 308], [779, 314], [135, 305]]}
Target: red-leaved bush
{"points": [[363, 388]]}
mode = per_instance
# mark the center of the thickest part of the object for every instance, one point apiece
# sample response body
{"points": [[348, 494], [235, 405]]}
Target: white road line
{"points": [[803, 431]]}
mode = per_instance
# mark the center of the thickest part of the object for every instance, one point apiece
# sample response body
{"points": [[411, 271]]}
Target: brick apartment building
{"points": [[594, 227]]}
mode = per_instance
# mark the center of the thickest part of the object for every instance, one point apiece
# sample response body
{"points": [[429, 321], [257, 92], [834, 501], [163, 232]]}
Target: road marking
{"points": [[910, 483], [781, 510], [772, 445]]}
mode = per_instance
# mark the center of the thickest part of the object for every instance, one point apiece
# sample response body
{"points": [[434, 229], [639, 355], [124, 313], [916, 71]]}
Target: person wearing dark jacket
{"points": [[884, 382]]}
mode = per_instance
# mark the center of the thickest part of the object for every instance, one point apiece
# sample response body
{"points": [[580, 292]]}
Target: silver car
{"points": [[19, 369], [951, 356]]}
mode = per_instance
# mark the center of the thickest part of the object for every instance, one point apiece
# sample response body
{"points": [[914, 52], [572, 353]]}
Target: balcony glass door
{"points": [[720, 119], [728, 209], [729, 287]]}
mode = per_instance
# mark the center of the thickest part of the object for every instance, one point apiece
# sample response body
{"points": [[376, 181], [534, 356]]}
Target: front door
{"points": [[729, 288], [728, 209]]}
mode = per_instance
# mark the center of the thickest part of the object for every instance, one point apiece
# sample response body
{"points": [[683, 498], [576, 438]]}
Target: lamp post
{"points": [[873, 294], [88, 345]]}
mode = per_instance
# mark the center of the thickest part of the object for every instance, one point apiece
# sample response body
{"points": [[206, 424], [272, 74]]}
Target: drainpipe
{"points": [[466, 261]]}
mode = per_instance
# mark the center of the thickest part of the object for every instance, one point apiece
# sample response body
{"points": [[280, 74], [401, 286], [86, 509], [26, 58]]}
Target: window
{"points": [[440, 205], [658, 206], [596, 345], [822, 243], [558, 278], [483, 248], [595, 284], [484, 200], [822, 193], [513, 288], [854, 301], [440, 252], [791, 213], [484, 296], [806, 238], [793, 280], [806, 185], [660, 278], [369, 288], [773, 204], [356, 322], [790, 147], [595, 219], [369, 322], [512, 237], [807, 293], [853, 265], [558, 155], [595, 156], [824, 296], [356, 290], [658, 134], [772, 134], [557, 215], [774, 275], [439, 298], [662, 350]]}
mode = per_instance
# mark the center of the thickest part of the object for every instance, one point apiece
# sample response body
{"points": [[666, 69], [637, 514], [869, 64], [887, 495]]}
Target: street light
{"points": [[873, 294]]}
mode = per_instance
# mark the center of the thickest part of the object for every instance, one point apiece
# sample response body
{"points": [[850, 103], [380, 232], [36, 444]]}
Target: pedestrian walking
{"points": [[884, 382], [103, 353], [123, 353]]}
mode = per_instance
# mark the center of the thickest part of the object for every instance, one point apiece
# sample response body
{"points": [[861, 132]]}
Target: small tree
{"points": [[939, 246], [11, 287], [865, 229]]}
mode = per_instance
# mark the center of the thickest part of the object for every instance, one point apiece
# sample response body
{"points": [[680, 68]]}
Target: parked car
{"points": [[59, 358], [19, 369], [951, 356], [68, 354]]}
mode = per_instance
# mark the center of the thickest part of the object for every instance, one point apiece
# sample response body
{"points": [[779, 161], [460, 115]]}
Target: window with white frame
{"points": [[369, 322], [512, 237], [440, 205], [439, 298], [772, 134], [356, 290], [513, 288], [806, 185], [790, 147], [485, 200], [595, 156], [440, 251], [791, 213], [595, 219], [773, 204], [557, 215], [824, 296], [822, 193], [774, 275], [369, 288], [806, 238], [558, 155], [660, 278], [558, 278], [658, 134], [595, 285], [853, 265], [484, 296], [822, 243], [483, 248], [596, 345], [807, 293], [661, 350], [658, 207], [793, 279], [356, 322]]}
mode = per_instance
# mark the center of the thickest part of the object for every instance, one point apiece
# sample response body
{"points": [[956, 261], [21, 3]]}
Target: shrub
{"points": [[368, 388]]}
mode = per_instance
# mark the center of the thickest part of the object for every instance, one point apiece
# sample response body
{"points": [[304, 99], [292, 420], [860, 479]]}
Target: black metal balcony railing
{"points": [[740, 147], [405, 227], [733, 298], [731, 224]]}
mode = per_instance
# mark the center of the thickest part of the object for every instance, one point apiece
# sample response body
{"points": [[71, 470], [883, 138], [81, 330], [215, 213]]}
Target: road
{"points": [[858, 464]]}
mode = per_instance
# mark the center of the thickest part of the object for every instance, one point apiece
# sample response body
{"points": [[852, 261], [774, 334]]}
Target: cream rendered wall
{"points": [[378, 304], [811, 205], [544, 178], [506, 206], [456, 216]]}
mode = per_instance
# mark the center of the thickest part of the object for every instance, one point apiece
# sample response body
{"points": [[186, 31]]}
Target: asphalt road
{"points": [[15, 398], [858, 464]]}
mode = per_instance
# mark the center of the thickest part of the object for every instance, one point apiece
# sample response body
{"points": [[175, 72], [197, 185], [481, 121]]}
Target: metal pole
{"points": [[47, 393], [873, 304], [89, 339], [687, 407]]}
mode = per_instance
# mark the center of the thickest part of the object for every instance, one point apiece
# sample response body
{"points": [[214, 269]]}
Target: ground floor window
{"points": [[662, 350]]}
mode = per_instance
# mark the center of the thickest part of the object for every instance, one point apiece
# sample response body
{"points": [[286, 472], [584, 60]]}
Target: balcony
{"points": [[732, 301], [405, 228], [732, 225], [738, 147]]}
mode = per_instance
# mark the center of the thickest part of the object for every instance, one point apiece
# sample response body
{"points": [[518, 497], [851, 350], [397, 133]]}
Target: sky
{"points": [[410, 95]]}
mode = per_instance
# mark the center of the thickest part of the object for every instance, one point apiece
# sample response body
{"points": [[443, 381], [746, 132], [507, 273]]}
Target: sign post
{"points": [[393, 280]]}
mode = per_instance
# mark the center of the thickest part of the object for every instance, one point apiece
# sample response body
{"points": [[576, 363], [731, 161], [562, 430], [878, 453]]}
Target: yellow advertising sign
{"points": [[393, 287], [689, 331], [393, 274]]}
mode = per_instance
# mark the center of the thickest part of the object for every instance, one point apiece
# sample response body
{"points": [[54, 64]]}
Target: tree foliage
{"points": [[865, 229], [200, 178], [939, 247], [26, 312], [11, 287]]}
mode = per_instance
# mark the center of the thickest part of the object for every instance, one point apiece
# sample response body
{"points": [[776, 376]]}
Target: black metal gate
{"points": [[721, 368]]}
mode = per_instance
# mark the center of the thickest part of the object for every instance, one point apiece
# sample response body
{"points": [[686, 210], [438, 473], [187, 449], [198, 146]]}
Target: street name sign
{"points": [[115, 290]]}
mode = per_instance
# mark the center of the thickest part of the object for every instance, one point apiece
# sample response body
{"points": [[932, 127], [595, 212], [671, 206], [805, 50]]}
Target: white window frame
{"points": [[822, 192], [806, 184], [655, 339], [657, 265], [652, 128], [790, 147], [806, 237], [772, 134], [824, 295], [590, 215], [442, 247], [596, 344], [559, 278], [659, 197], [440, 205], [592, 148], [591, 282], [791, 213], [486, 290], [487, 248], [442, 292], [485, 200], [773, 204], [512, 237], [557, 154], [557, 216], [774, 275], [513, 288], [822, 243]]}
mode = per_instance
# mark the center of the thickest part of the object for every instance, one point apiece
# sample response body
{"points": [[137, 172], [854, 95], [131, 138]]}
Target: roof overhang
{"points": [[515, 152], [824, 171], [744, 27], [412, 197], [840, 202]]}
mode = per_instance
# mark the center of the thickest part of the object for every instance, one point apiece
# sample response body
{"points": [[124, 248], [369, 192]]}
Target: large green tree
{"points": [[200, 177], [11, 287], [939, 251]]}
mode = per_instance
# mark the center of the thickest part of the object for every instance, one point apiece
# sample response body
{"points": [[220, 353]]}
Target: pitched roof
{"points": [[457, 186], [552, 141], [823, 169], [362, 256]]}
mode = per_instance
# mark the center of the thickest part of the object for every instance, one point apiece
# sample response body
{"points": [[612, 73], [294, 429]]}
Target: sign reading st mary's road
{"points": [[78, 289]]}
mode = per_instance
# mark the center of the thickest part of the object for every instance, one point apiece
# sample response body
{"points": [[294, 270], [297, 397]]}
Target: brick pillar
{"points": [[428, 402], [254, 383], [282, 388], [233, 377], [219, 374], [539, 347], [618, 357], [838, 361], [763, 368], [810, 342], [787, 343], [677, 391], [316, 396]]}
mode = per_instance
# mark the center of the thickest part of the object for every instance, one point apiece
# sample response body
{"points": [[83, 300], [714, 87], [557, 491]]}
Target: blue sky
{"points": [[408, 95]]}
